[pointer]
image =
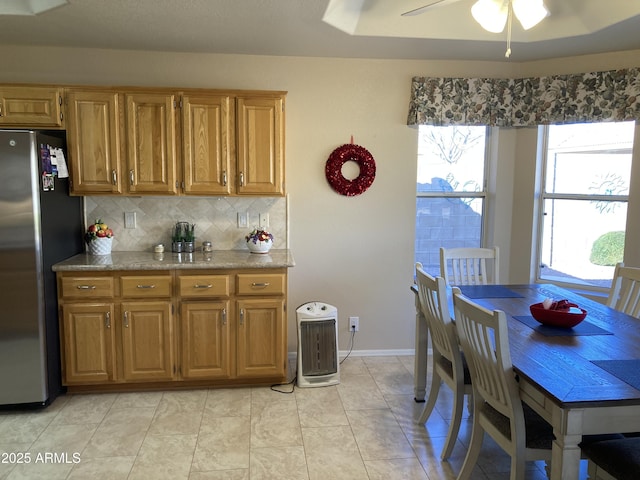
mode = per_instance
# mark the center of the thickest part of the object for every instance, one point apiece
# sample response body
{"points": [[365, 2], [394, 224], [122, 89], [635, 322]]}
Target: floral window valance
{"points": [[588, 97]]}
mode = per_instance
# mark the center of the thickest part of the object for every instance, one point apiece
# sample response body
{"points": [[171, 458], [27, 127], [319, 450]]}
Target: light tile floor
{"points": [[363, 428]]}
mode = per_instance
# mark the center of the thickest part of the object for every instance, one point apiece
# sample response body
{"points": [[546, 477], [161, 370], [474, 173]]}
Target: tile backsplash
{"points": [[215, 219]]}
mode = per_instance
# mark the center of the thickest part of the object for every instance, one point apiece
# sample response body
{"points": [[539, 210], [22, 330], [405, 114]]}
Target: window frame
{"points": [[484, 194], [543, 196]]}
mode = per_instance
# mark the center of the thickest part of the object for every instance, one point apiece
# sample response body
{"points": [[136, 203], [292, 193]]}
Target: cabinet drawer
{"points": [[261, 284], [146, 286], [204, 285], [87, 287]]}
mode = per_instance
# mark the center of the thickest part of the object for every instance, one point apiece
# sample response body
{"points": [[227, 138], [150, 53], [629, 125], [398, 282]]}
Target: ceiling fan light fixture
{"points": [[491, 14], [529, 12]]}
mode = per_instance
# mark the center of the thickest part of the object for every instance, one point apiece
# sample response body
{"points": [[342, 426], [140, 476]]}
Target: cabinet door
{"points": [[206, 150], [261, 348], [31, 106], [260, 139], [88, 339], [147, 341], [93, 132], [151, 143], [205, 340]]}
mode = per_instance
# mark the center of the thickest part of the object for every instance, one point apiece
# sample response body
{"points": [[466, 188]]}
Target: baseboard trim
{"points": [[366, 353]]}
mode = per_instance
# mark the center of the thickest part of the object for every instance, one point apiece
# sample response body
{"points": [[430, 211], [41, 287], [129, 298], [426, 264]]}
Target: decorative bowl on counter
{"points": [[558, 314], [259, 241]]}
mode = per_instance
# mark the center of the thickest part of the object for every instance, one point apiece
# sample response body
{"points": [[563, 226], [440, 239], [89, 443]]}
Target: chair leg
{"points": [[456, 419], [436, 381], [475, 445]]}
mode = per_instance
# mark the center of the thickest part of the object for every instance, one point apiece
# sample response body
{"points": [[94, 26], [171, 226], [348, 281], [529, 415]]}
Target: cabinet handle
{"points": [[131, 176], [203, 286], [260, 285], [126, 319], [241, 179], [107, 320], [1, 114], [114, 177], [86, 287], [146, 286], [242, 316], [224, 316], [224, 178]]}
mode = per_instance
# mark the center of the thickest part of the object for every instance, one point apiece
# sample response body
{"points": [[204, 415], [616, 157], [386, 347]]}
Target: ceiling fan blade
{"points": [[429, 6]]}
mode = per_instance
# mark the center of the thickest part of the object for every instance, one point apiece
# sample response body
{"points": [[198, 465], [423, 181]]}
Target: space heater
{"points": [[318, 364]]}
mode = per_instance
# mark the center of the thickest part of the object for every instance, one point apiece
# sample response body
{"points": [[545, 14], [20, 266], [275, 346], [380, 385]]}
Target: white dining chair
{"points": [[449, 366], [470, 266], [624, 294], [498, 409]]}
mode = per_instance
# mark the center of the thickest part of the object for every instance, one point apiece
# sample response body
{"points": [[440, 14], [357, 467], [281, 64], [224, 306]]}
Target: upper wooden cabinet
{"points": [[169, 142], [260, 131], [27, 106], [93, 134], [151, 143], [207, 142]]}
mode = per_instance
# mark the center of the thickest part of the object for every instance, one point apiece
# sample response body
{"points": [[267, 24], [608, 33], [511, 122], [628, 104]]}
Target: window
{"points": [[586, 178], [451, 193]]}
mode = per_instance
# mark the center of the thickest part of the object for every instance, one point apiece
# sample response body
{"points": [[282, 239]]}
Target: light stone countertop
{"points": [[218, 259]]}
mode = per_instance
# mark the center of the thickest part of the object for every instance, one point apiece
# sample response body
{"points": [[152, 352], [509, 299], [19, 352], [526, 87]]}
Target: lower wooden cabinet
{"points": [[147, 341], [220, 327], [261, 352], [88, 343], [205, 349]]}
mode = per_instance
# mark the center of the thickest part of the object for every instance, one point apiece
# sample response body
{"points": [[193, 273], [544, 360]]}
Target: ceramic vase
{"points": [[100, 246], [259, 247]]}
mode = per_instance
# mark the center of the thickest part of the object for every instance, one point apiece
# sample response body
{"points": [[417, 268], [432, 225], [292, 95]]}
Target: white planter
{"points": [[259, 247], [99, 246]]}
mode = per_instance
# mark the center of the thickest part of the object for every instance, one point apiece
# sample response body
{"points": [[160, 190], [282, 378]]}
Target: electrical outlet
{"points": [[129, 219], [354, 324], [243, 219], [264, 220]]}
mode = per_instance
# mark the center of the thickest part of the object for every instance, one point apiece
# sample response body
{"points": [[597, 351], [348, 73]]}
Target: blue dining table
{"points": [[583, 380]]}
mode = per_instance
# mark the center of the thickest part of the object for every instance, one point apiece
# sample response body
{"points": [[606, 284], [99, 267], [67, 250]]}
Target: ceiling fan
{"points": [[493, 15]]}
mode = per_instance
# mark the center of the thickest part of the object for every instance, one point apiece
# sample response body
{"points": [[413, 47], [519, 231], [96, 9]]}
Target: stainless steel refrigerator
{"points": [[40, 224]]}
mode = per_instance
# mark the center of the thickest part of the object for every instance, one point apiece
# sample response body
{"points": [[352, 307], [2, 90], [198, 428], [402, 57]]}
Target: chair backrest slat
{"points": [[484, 338], [469, 266], [624, 294], [432, 293]]}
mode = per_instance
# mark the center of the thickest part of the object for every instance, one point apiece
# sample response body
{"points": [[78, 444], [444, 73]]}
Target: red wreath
{"points": [[354, 153]]}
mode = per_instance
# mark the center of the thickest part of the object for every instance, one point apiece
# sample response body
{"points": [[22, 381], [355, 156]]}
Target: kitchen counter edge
{"points": [[218, 259]]}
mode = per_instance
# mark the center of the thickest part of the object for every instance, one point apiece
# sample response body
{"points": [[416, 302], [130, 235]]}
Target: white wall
{"points": [[353, 252]]}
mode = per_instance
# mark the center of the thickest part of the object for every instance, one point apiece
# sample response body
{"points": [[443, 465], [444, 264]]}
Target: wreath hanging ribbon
{"points": [[354, 153]]}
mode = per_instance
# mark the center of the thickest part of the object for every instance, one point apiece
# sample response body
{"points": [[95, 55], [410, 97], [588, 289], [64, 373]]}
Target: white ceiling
{"points": [[296, 28]]}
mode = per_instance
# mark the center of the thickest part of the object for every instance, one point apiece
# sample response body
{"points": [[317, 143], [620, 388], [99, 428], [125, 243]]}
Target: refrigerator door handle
{"points": [[107, 320]]}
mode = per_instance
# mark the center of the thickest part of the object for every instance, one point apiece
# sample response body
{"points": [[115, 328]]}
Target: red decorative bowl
{"points": [[560, 316]]}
